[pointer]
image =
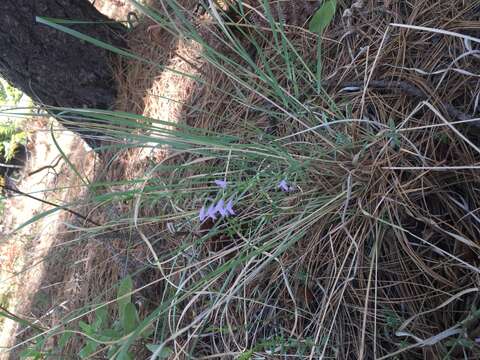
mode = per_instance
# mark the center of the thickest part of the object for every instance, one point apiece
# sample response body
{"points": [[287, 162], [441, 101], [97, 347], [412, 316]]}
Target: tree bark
{"points": [[54, 68]]}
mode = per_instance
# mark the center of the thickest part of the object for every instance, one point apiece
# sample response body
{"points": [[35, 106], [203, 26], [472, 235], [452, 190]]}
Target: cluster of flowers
{"points": [[223, 209], [220, 208]]}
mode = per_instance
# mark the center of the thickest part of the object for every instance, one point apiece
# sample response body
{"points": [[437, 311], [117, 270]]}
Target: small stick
{"points": [[73, 212], [46, 167]]}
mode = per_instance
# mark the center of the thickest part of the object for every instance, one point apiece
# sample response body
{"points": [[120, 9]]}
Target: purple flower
{"points": [[220, 208], [229, 207], [221, 183], [477, 340], [283, 185], [203, 214], [211, 212]]}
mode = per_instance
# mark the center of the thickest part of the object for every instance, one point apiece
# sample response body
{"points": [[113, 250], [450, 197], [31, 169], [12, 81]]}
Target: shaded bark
{"points": [[54, 68]]}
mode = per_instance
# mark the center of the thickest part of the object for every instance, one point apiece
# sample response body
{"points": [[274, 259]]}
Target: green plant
{"points": [[392, 320], [102, 331], [281, 83], [102, 335], [35, 351], [11, 137], [319, 22], [9, 95]]}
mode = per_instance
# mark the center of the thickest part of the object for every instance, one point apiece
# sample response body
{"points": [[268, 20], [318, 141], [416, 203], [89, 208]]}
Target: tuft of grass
{"points": [[370, 250]]}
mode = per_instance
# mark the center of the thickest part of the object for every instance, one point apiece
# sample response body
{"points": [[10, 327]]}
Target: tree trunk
{"points": [[54, 68]]}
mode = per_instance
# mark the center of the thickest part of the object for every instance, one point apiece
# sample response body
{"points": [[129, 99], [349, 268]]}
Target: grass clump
{"points": [[351, 181]]}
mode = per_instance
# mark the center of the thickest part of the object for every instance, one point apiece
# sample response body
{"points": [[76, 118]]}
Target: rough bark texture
{"points": [[54, 68]]}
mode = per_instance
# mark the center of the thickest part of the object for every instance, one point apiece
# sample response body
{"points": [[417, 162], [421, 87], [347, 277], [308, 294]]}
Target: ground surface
{"points": [[27, 253], [33, 281]]}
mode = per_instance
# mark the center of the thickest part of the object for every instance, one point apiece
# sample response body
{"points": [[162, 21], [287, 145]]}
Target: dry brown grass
{"points": [[408, 246], [365, 276]]}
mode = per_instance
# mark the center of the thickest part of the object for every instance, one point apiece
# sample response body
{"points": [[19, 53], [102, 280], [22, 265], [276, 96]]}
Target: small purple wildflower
{"points": [[214, 209], [477, 340], [221, 183], [203, 214], [283, 185], [229, 207], [220, 208], [211, 212]]}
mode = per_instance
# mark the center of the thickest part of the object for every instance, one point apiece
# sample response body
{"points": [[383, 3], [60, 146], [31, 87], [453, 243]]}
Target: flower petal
{"points": [[203, 214], [221, 183], [229, 207], [220, 208], [283, 185], [211, 212]]}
